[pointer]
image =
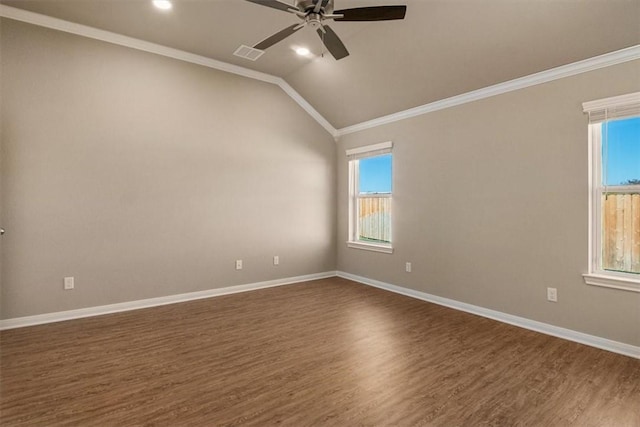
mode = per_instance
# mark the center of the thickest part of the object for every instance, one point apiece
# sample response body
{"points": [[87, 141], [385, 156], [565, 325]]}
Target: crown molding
{"points": [[133, 43], [114, 38], [608, 59], [613, 58], [307, 107]]}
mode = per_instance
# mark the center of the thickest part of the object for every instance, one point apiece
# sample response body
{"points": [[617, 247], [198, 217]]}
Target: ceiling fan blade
{"points": [[275, 4], [372, 13], [333, 43], [280, 35]]}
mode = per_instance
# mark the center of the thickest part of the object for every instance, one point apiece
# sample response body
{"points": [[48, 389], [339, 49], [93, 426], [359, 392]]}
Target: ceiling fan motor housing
{"points": [[314, 19]]}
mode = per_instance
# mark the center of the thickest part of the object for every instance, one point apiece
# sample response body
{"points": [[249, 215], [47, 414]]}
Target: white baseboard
{"points": [[556, 331], [39, 319]]}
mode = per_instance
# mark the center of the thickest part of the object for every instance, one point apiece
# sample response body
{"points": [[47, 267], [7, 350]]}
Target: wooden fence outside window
{"points": [[621, 232], [374, 219]]}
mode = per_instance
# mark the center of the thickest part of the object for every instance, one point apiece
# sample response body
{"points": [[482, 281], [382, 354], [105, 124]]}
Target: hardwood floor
{"points": [[329, 352]]}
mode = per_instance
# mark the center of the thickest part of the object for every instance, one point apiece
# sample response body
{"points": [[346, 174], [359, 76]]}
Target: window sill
{"points": [[611, 281], [387, 249]]}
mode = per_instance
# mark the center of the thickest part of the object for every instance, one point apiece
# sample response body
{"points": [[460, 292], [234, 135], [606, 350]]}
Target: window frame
{"points": [[354, 194], [597, 275]]}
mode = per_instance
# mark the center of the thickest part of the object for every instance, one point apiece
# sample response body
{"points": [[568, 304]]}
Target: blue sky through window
{"points": [[621, 159], [375, 174]]}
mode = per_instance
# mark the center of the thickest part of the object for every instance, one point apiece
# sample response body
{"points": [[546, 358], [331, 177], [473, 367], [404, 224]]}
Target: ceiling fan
{"points": [[315, 12]]}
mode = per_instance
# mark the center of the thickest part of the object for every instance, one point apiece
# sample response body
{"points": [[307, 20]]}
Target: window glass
{"points": [[370, 190], [621, 151], [620, 206], [375, 175], [374, 199], [614, 211]]}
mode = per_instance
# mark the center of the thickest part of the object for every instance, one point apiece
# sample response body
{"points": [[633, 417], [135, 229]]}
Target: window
{"points": [[370, 194], [614, 140]]}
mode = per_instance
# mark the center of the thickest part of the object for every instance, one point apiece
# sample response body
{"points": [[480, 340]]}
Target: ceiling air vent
{"points": [[249, 53]]}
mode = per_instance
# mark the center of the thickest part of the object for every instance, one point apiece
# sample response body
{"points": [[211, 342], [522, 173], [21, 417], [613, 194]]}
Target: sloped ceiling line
{"points": [[606, 60], [110, 37], [601, 61]]}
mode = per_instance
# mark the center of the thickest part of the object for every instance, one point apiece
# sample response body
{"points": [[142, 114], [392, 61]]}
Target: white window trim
{"points": [[596, 275], [353, 156], [375, 247]]}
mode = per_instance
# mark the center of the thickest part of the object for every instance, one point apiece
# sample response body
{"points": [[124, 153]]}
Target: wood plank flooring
{"points": [[329, 352]]}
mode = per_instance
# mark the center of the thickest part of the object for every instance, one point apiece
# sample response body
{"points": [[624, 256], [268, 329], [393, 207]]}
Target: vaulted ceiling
{"points": [[441, 49]]}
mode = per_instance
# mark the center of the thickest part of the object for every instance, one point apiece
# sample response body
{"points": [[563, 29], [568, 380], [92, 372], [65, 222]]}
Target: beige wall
{"points": [[490, 205], [143, 176]]}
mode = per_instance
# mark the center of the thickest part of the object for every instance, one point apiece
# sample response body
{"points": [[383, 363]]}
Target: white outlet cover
{"points": [[69, 283], [239, 264]]}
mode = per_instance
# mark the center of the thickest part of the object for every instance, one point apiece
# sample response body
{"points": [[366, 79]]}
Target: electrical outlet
{"points": [[552, 294], [407, 267], [276, 260], [238, 264], [69, 283]]}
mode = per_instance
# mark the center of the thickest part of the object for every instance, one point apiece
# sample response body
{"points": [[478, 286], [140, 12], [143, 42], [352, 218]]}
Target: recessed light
{"points": [[162, 4], [302, 51]]}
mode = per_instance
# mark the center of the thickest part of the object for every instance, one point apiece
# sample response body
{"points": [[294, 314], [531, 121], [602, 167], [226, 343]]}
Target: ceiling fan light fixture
{"points": [[162, 4], [302, 51]]}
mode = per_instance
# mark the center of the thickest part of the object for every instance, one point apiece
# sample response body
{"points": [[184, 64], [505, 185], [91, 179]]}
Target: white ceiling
{"points": [[443, 48]]}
